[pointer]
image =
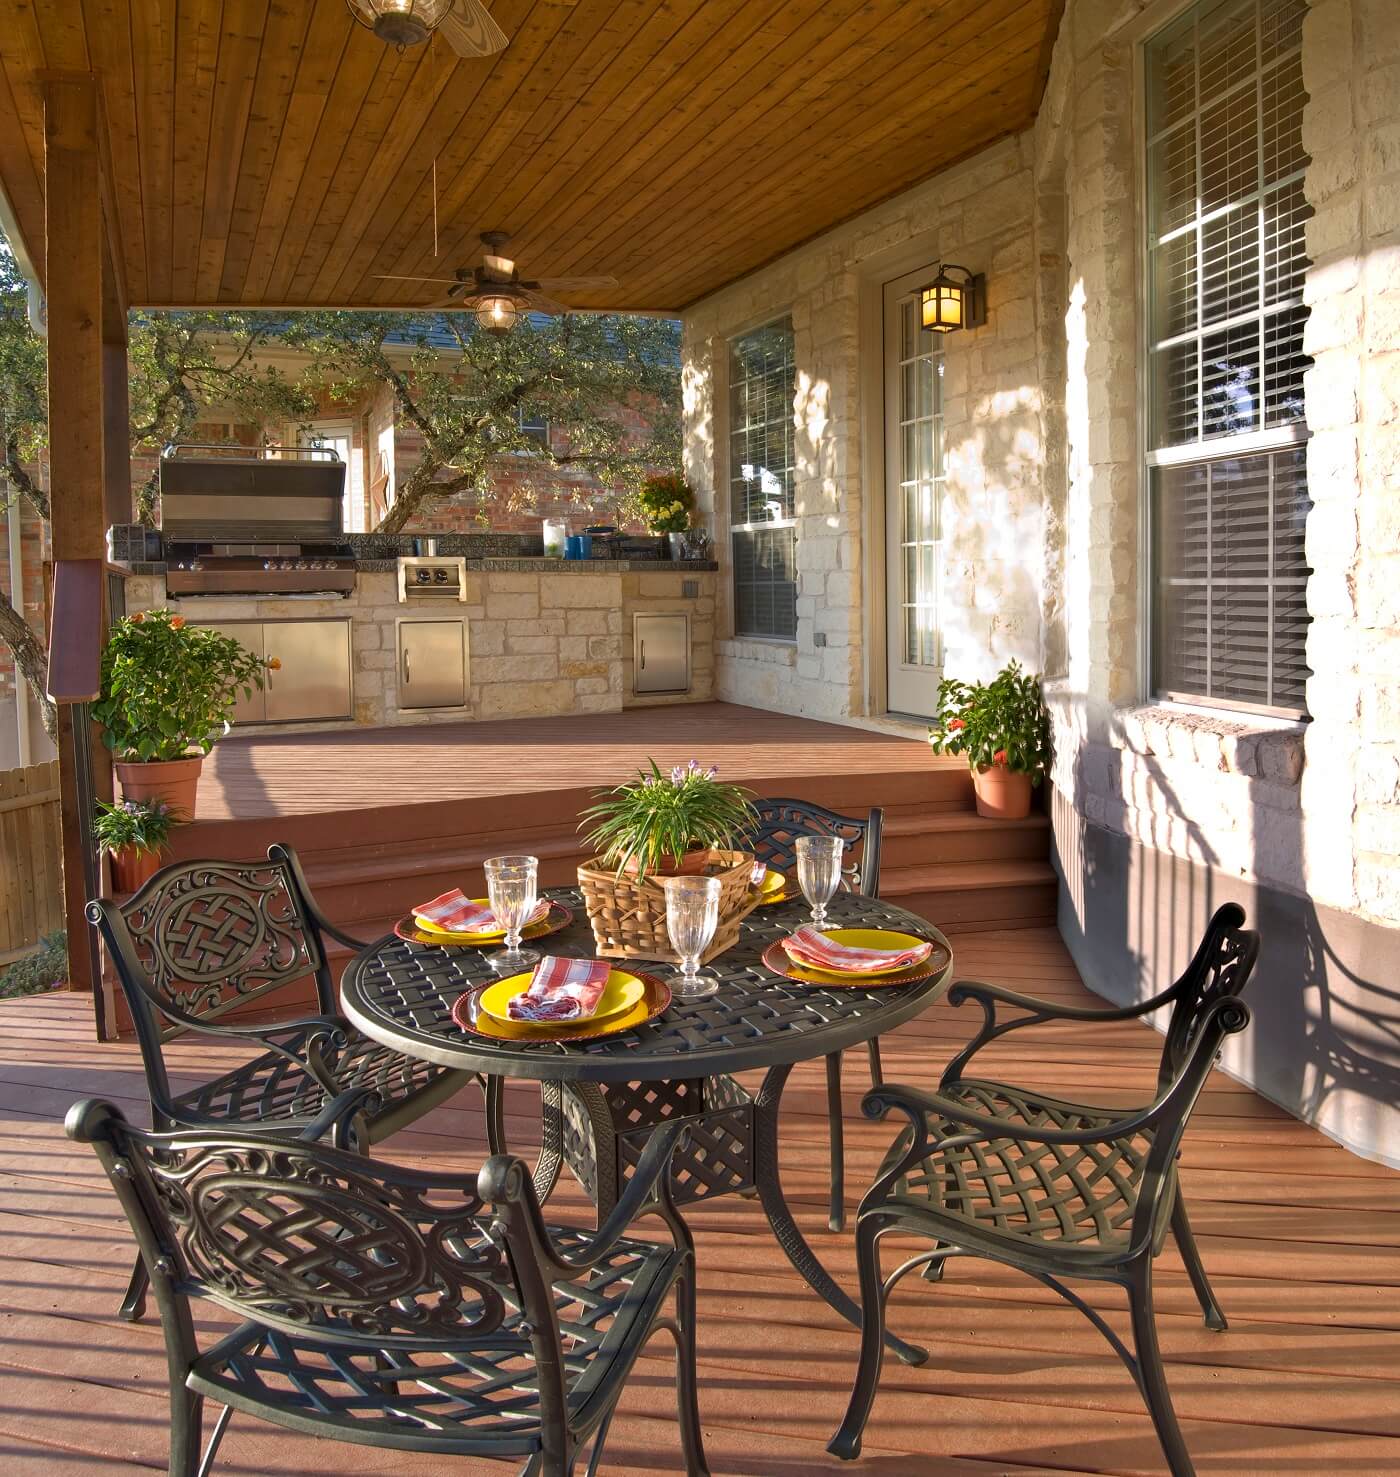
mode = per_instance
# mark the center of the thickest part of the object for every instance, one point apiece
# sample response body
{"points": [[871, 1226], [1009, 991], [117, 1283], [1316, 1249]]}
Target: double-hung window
{"points": [[763, 529], [1225, 434]]}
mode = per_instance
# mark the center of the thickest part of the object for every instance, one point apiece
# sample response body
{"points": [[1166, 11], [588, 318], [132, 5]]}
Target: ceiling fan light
{"points": [[400, 23], [497, 313]]}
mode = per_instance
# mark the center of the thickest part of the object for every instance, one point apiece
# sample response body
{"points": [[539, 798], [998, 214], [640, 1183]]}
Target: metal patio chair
{"points": [[392, 1307], [774, 840], [202, 938], [1059, 1190]]}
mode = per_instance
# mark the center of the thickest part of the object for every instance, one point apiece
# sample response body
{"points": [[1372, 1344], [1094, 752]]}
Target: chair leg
{"points": [[836, 1217], [134, 1303], [846, 1442], [687, 1380], [186, 1423], [1186, 1244], [1152, 1378], [877, 1069], [206, 1465]]}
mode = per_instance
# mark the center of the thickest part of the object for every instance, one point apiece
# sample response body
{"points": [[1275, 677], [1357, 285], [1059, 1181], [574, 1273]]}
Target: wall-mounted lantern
{"points": [[950, 302]]}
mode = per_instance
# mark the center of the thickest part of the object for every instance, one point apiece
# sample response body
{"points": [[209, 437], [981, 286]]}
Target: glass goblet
{"points": [[512, 884], [819, 871], [692, 914]]}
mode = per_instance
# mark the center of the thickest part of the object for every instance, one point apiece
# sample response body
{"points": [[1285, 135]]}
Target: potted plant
{"points": [[168, 692], [668, 504], [682, 823], [1001, 727], [133, 833]]}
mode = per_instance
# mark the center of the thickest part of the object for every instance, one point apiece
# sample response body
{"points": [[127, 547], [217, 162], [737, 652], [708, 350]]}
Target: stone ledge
{"points": [[1257, 748]]}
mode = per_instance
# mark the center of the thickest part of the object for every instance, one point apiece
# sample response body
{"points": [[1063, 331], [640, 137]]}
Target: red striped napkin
{"points": [[562, 990], [457, 913], [808, 946]]}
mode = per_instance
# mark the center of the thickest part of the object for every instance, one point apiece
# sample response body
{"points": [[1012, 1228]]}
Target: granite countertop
{"points": [[527, 564]]}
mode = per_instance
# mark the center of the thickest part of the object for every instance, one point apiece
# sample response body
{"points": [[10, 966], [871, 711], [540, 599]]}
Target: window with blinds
{"points": [[763, 530], [1226, 264]]}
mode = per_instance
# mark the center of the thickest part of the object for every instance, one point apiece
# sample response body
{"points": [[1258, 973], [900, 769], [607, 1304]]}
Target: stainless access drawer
{"points": [[432, 670], [661, 653], [314, 678]]}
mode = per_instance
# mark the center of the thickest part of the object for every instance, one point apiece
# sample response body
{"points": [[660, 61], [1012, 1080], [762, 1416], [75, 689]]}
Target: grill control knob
{"points": [[440, 576], [423, 576]]}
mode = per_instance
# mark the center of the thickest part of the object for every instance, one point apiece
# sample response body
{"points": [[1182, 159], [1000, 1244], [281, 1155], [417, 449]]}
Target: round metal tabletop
{"points": [[402, 994]]}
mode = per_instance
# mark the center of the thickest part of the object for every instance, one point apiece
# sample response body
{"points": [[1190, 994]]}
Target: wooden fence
{"points": [[31, 885]]}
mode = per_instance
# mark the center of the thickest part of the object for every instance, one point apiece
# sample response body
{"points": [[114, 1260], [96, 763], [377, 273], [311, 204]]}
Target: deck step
{"points": [[924, 838], [965, 896]]}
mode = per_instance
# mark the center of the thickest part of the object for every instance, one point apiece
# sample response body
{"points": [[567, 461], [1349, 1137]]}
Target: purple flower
{"points": [[683, 772]]}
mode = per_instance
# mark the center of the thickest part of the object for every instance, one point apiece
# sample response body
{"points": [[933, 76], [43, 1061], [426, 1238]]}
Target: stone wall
{"points": [[540, 643], [978, 213]]}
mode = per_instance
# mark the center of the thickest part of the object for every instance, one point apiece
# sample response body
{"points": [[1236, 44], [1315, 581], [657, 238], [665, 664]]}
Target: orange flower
{"points": [[999, 757], [137, 618], [274, 664], [176, 621], [956, 724]]}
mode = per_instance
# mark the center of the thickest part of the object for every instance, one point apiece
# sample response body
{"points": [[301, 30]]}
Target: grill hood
{"points": [[292, 494]]}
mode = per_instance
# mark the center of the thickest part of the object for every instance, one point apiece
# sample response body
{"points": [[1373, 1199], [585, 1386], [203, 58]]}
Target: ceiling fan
{"points": [[464, 24], [495, 291]]}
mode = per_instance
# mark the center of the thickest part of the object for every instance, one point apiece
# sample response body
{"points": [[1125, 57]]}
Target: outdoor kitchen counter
{"points": [[538, 637]]}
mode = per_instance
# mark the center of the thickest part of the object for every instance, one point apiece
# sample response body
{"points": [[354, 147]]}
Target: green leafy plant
{"points": [[667, 503], [1001, 722], [657, 818], [42, 970], [169, 687], [144, 825]]}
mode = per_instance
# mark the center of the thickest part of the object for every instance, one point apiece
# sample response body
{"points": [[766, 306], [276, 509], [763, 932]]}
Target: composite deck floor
{"points": [[1300, 1237], [251, 776]]}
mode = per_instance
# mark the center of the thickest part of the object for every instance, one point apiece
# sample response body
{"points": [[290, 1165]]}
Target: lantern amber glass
{"points": [[942, 305]]}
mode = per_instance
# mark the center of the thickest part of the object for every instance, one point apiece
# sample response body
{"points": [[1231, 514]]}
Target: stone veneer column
{"points": [[1351, 128]]}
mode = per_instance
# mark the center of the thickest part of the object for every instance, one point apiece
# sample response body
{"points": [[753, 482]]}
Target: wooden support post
{"points": [[75, 243], [116, 409]]}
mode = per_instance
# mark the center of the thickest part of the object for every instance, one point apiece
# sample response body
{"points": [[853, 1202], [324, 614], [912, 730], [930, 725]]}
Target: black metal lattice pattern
{"points": [[1067, 1193], [781, 822], [273, 1087], [211, 935], [402, 994]]}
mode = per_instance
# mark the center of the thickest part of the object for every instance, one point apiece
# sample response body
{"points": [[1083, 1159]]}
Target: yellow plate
{"points": [[621, 993], [772, 882], [476, 935], [862, 938]]}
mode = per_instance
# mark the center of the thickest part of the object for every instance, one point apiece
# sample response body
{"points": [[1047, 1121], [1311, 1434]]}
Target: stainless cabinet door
{"points": [[432, 664], [661, 653], [314, 678], [251, 709]]}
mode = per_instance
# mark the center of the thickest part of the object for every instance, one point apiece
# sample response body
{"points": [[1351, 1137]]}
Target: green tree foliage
{"points": [[609, 387]]}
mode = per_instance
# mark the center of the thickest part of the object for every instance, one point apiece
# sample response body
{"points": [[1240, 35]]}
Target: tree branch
{"points": [[31, 660], [18, 474]]}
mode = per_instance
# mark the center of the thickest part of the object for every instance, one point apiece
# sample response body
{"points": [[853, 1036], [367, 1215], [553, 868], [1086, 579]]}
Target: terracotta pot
{"points": [[692, 864], [1002, 794], [171, 780], [130, 868]]}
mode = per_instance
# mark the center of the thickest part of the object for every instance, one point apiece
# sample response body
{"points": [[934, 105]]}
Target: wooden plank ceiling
{"points": [[272, 152]]}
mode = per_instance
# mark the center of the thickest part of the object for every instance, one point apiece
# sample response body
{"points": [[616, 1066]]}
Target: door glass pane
{"points": [[921, 471]]}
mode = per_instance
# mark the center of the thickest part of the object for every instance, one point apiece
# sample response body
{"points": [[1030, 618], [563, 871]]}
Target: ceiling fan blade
{"points": [[394, 277], [470, 31], [577, 284], [540, 303]]}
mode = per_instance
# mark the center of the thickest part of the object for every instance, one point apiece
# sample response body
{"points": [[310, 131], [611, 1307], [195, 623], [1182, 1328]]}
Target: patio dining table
{"points": [[611, 1092]]}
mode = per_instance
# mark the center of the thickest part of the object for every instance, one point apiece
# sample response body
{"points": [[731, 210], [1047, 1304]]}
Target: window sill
{"points": [[758, 648], [1250, 745]]}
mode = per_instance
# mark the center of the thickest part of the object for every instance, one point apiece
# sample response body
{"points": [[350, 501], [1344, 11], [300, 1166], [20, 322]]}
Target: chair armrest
{"points": [[341, 1119], [919, 1107], [312, 1037], [1036, 1012], [505, 1182]]}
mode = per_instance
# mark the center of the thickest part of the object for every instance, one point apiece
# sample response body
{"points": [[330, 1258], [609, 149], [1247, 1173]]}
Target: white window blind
{"points": [[1226, 262], [762, 469]]}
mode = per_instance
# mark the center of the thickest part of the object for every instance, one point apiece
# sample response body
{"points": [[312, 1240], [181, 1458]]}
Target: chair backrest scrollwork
{"points": [[306, 1238], [781, 822], [201, 938], [1219, 970]]}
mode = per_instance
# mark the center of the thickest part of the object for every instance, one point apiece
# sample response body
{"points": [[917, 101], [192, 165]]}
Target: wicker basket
{"points": [[628, 914]]}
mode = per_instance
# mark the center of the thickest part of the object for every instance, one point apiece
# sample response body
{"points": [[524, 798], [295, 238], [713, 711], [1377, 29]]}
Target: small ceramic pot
{"points": [[131, 868], [1002, 794], [174, 781]]}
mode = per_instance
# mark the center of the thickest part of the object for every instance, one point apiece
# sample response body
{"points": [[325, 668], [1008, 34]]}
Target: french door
{"points": [[914, 479]]}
